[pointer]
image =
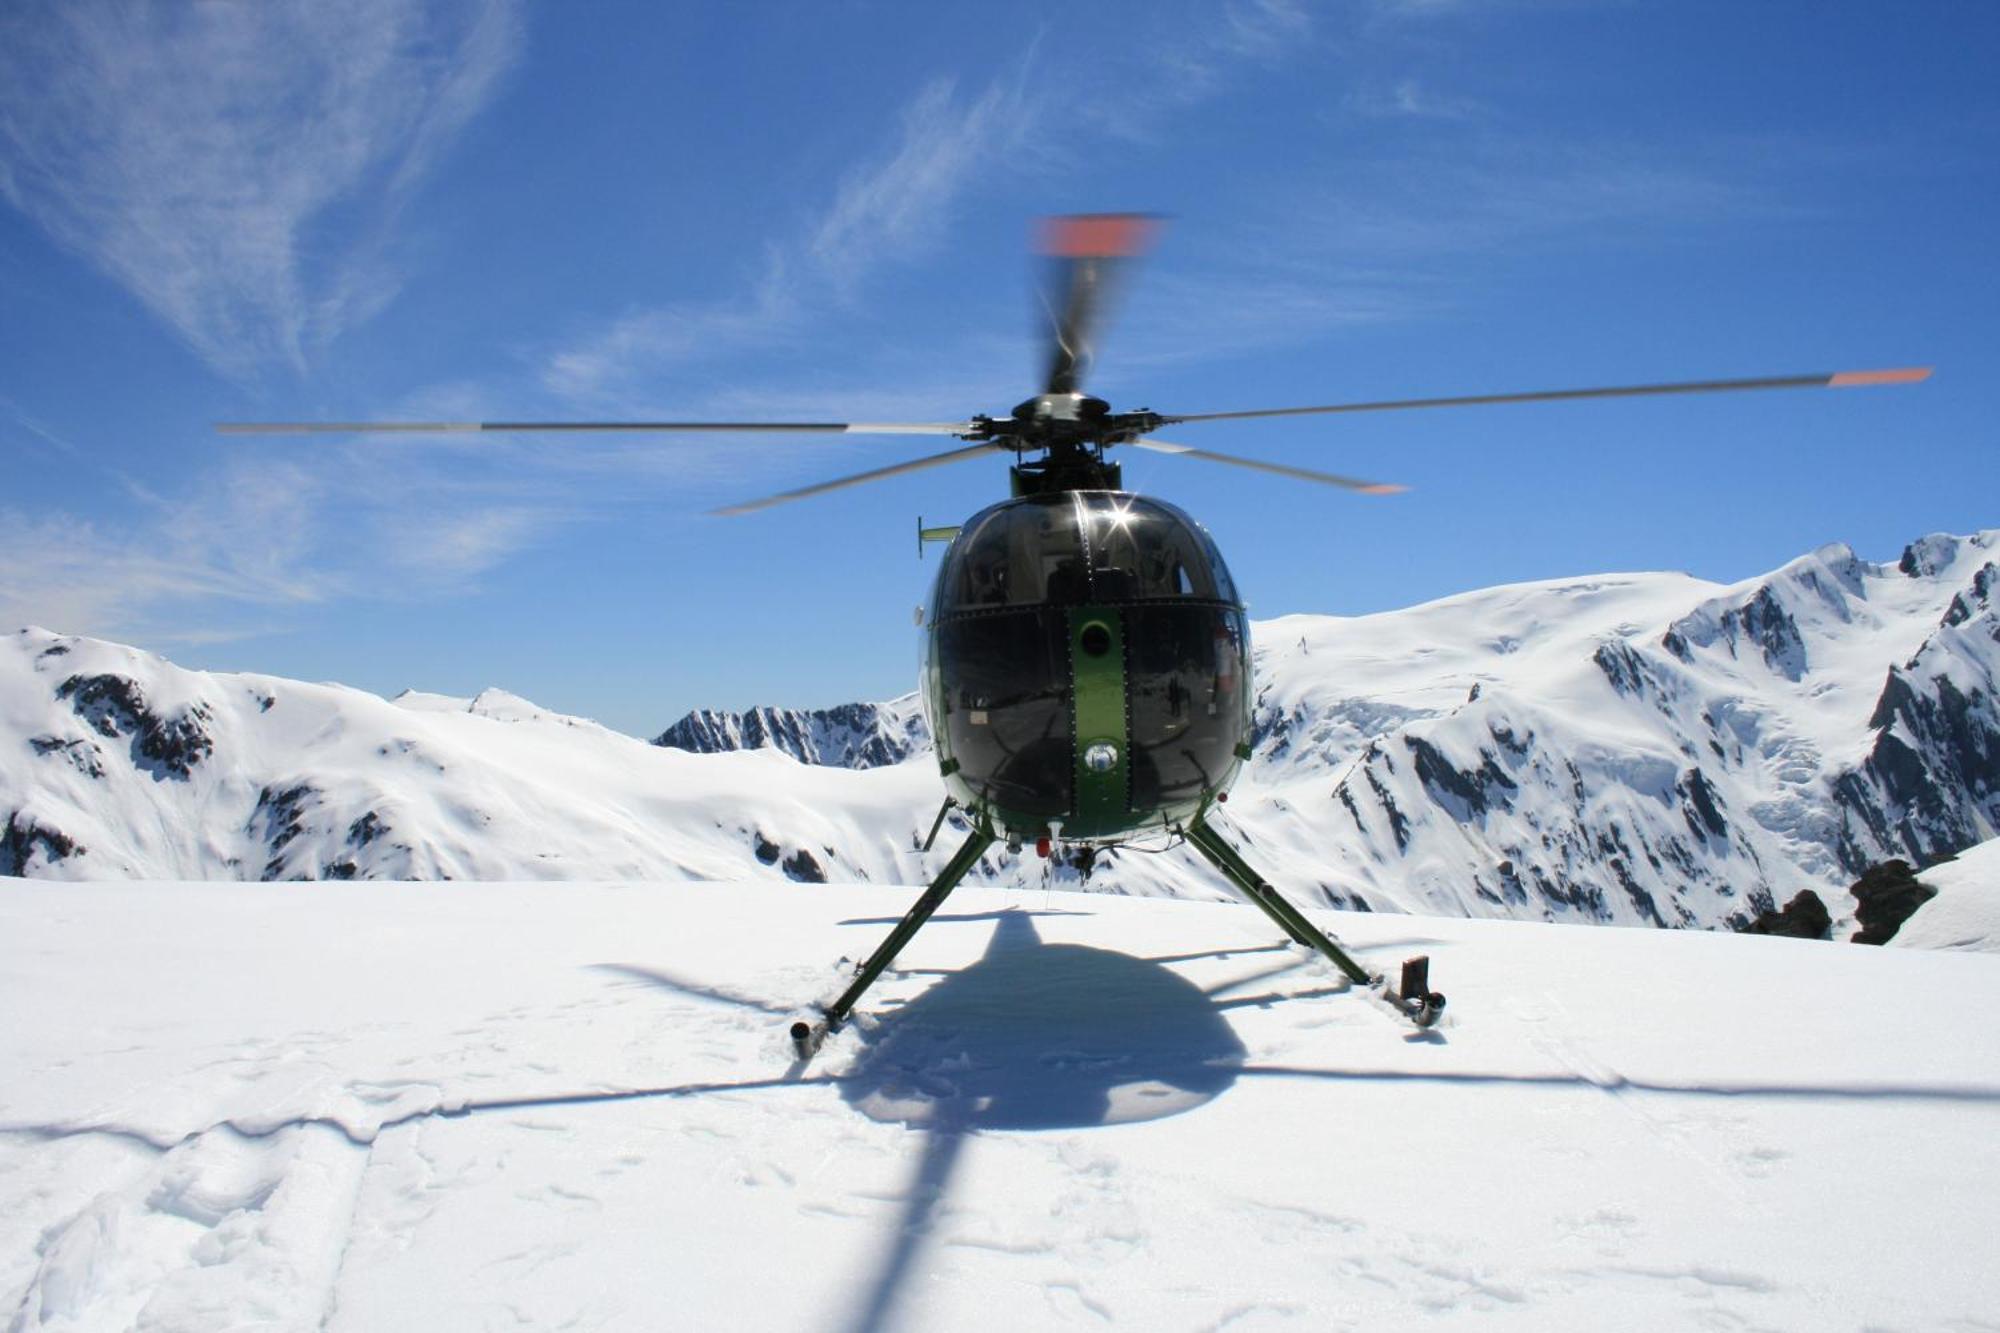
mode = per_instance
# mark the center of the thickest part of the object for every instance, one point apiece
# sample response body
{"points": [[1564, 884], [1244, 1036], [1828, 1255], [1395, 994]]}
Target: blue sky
{"points": [[817, 210]]}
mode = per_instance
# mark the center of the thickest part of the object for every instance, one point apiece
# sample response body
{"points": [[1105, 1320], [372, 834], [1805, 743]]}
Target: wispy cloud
{"points": [[896, 206], [1190, 61], [899, 205], [43, 437], [1465, 200], [260, 535], [196, 153], [1410, 98], [68, 574]]}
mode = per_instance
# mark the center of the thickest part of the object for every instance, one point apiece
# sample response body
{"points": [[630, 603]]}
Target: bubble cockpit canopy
{"points": [[1081, 548]]}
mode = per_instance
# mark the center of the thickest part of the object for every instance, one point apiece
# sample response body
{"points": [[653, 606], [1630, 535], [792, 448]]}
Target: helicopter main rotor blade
{"points": [[595, 427], [1086, 253], [873, 474], [1843, 379], [1282, 469]]}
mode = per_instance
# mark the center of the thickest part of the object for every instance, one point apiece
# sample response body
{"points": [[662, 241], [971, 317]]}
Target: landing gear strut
{"points": [[1412, 995], [807, 1034]]}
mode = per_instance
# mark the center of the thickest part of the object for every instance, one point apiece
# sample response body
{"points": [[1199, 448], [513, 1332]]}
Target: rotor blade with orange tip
{"points": [[1086, 253], [1282, 469], [1842, 379]]}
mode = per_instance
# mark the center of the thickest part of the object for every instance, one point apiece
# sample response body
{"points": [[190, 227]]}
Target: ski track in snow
{"points": [[472, 1107]]}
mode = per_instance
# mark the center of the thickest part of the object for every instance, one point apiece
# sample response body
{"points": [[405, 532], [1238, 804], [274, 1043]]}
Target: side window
{"points": [[980, 570], [1225, 587]]}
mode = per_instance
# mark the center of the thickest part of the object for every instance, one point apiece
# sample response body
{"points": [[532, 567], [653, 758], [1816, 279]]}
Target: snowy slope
{"points": [[441, 1107], [1628, 749], [1966, 912], [120, 764], [1639, 748]]}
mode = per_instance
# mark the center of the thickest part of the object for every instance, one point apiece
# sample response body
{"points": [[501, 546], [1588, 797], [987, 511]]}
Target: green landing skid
{"points": [[1412, 996], [807, 1034]]}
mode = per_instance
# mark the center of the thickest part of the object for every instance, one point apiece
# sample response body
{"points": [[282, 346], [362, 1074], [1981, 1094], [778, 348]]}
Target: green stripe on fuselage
{"points": [[1099, 702]]}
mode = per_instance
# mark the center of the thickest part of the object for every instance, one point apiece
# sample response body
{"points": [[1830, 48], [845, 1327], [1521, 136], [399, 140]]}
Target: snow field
{"points": [[1966, 912], [390, 1106]]}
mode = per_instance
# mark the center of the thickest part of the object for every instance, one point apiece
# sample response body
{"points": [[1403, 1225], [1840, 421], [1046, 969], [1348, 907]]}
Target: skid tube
{"points": [[807, 1034], [1412, 995]]}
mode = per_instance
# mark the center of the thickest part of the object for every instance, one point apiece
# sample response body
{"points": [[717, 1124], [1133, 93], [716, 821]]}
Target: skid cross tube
{"points": [[1259, 891], [806, 1036]]}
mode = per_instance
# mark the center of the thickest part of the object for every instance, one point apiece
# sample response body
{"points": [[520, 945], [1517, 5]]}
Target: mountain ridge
{"points": [[1630, 749]]}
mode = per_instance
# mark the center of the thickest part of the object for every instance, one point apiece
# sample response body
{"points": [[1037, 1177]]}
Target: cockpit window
{"points": [[1142, 549], [1019, 554], [1081, 547]]}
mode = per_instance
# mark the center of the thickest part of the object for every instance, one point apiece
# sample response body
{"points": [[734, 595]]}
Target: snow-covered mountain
{"points": [[848, 736], [1632, 748], [1640, 748], [118, 764]]}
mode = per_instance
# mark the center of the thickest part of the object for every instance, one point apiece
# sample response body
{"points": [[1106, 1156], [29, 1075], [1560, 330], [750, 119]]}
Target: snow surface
{"points": [[435, 1106], [1966, 912]]}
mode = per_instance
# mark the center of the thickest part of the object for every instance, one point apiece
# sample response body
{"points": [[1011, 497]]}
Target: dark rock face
{"points": [[1886, 895], [1762, 621], [366, 829], [279, 818], [84, 755], [1625, 669], [849, 736], [804, 867], [1467, 794], [1930, 786], [1927, 556], [1702, 809], [165, 746], [1805, 917], [1968, 603], [25, 836]]}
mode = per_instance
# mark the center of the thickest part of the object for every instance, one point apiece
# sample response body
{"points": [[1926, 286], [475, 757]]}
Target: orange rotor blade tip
{"points": [[1384, 488], [1849, 379], [1097, 235]]}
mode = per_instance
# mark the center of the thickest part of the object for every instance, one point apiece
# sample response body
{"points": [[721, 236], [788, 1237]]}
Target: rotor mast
{"points": [[1070, 430]]}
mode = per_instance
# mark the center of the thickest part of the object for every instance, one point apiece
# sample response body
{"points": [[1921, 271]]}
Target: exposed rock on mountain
{"points": [[168, 745], [849, 736], [1887, 895], [1805, 918], [28, 845]]}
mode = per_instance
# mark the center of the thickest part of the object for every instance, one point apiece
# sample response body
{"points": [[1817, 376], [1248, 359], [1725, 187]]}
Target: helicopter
{"points": [[1086, 656]]}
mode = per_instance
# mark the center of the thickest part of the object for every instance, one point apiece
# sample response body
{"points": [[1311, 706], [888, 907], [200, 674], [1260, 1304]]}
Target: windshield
{"points": [[1080, 547]]}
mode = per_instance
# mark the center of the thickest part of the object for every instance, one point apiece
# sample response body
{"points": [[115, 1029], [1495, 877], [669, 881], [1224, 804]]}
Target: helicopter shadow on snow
{"points": [[1033, 1036]]}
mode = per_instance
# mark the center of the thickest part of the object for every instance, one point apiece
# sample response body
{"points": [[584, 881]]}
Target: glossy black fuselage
{"points": [[1086, 666]]}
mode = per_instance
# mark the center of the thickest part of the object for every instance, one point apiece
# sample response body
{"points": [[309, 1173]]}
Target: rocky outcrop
{"points": [[1930, 785], [848, 736], [1805, 917], [1886, 896], [27, 844], [167, 745]]}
